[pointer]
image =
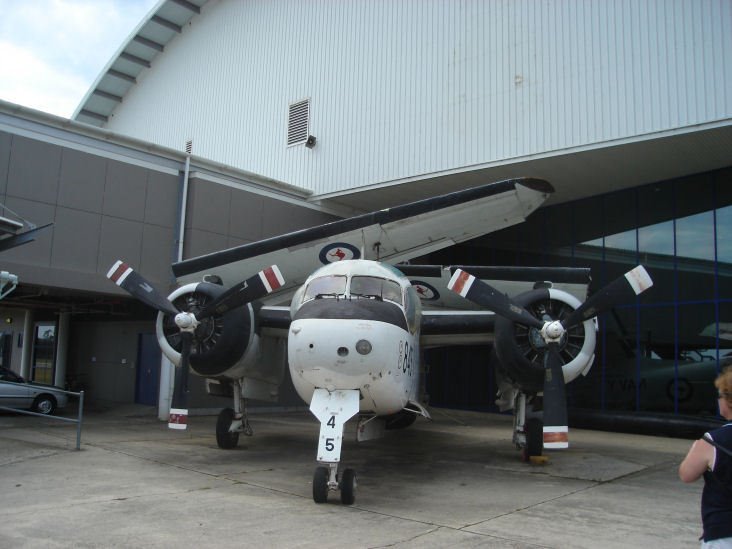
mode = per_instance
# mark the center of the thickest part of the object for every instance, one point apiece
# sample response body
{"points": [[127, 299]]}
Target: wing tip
{"points": [[536, 184]]}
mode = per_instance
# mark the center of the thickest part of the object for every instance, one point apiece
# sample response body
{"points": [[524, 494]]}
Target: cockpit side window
{"points": [[325, 286], [413, 309], [369, 287]]}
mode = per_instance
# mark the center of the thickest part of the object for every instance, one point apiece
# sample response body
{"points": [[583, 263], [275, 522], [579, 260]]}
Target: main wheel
{"points": [[534, 429], [224, 438], [348, 487], [44, 404], [320, 484]]}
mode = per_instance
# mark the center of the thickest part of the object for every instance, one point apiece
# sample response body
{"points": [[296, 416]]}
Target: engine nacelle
{"points": [[222, 344], [521, 349]]}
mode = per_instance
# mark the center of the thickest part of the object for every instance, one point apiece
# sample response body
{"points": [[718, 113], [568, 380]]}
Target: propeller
{"points": [[632, 283], [251, 289]]}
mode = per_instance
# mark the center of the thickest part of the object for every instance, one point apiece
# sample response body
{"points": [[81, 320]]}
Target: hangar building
{"points": [[328, 109]]}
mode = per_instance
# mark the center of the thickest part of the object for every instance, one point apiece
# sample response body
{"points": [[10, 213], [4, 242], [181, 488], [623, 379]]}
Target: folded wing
{"points": [[392, 235]]}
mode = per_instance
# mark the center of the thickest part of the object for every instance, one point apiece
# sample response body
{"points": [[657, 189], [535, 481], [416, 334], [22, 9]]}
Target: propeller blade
{"points": [[128, 279], [556, 430], [251, 289], [487, 296], [632, 283], [178, 418]]}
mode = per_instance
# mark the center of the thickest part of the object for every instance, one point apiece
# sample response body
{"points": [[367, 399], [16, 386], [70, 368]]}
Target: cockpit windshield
{"points": [[362, 287], [326, 286], [369, 287]]}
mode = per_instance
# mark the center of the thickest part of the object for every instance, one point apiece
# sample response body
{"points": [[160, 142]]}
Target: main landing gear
{"points": [[231, 423], [528, 432], [333, 409]]}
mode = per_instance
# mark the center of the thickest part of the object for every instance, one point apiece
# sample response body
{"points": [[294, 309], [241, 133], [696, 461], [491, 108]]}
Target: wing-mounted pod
{"points": [[202, 326], [551, 331], [521, 348], [220, 342]]}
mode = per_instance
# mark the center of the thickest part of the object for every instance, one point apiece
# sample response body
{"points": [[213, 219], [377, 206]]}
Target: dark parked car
{"points": [[16, 392]]}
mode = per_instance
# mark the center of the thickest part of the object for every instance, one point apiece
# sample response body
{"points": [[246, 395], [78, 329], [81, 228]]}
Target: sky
{"points": [[51, 51]]}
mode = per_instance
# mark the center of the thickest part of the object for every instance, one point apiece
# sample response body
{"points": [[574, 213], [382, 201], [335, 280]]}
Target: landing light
{"points": [[363, 347]]}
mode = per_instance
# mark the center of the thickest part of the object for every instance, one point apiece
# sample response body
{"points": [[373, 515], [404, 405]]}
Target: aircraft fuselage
{"points": [[356, 327]]}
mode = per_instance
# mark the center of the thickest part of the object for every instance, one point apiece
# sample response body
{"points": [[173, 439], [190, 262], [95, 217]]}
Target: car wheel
{"points": [[44, 404]]}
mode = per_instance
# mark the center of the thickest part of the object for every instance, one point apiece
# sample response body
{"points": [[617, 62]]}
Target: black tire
{"points": [[44, 404], [534, 429], [225, 439], [320, 484], [348, 487]]}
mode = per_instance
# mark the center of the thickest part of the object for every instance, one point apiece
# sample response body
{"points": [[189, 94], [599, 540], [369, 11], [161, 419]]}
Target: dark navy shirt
{"points": [[716, 502]]}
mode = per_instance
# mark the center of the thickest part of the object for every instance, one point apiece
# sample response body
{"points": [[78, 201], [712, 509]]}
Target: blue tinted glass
{"points": [[724, 235], [695, 236], [657, 239]]}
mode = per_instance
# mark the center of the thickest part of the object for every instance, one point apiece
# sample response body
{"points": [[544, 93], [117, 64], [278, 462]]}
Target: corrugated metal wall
{"points": [[404, 88]]}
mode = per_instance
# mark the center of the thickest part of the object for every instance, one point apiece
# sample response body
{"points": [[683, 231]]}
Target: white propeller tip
{"points": [[178, 419], [639, 279], [461, 282], [556, 437]]}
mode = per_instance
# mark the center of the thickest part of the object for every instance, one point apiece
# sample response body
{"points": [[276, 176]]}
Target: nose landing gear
{"points": [[333, 409], [326, 480]]}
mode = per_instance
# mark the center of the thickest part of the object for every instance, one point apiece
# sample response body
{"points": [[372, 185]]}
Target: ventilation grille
{"points": [[297, 122]]}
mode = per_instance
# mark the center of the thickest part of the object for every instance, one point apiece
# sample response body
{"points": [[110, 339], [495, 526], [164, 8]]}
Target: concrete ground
{"points": [[455, 482]]}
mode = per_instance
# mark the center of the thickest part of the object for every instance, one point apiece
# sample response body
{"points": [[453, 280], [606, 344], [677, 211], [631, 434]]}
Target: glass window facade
{"points": [[659, 352]]}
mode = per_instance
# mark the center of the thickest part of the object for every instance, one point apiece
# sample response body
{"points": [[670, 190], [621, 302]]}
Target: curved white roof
{"points": [[411, 99], [163, 23]]}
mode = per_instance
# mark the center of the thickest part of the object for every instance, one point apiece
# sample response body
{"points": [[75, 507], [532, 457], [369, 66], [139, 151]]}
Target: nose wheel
{"points": [[325, 479]]}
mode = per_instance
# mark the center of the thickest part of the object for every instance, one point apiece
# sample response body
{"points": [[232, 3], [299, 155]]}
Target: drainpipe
{"points": [[62, 347], [27, 342], [184, 202]]}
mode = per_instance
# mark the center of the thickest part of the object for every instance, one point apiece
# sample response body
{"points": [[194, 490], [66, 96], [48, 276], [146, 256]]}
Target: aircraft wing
{"points": [[392, 235]]}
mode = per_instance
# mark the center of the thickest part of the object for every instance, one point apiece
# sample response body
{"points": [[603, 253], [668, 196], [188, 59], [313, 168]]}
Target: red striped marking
{"points": [[122, 268], [460, 283], [178, 420], [272, 278], [557, 436]]}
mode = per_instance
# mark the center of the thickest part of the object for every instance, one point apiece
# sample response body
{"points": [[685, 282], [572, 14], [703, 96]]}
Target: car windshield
{"points": [[8, 375], [326, 286], [370, 287]]}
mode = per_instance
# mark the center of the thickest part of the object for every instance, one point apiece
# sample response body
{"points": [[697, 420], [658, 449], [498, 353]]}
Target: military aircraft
{"points": [[359, 316]]}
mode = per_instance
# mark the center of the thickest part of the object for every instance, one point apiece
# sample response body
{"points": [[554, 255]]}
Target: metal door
{"points": [[148, 370]]}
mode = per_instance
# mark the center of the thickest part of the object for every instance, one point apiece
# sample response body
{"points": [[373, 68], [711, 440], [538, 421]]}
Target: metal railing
{"points": [[79, 416]]}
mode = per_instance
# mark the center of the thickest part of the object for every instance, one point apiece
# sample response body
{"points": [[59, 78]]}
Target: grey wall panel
{"points": [[208, 206], [34, 170], [124, 192], [37, 252], [81, 182], [161, 204], [245, 221], [5, 141], [156, 254], [198, 242], [76, 240], [118, 239], [278, 219]]}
